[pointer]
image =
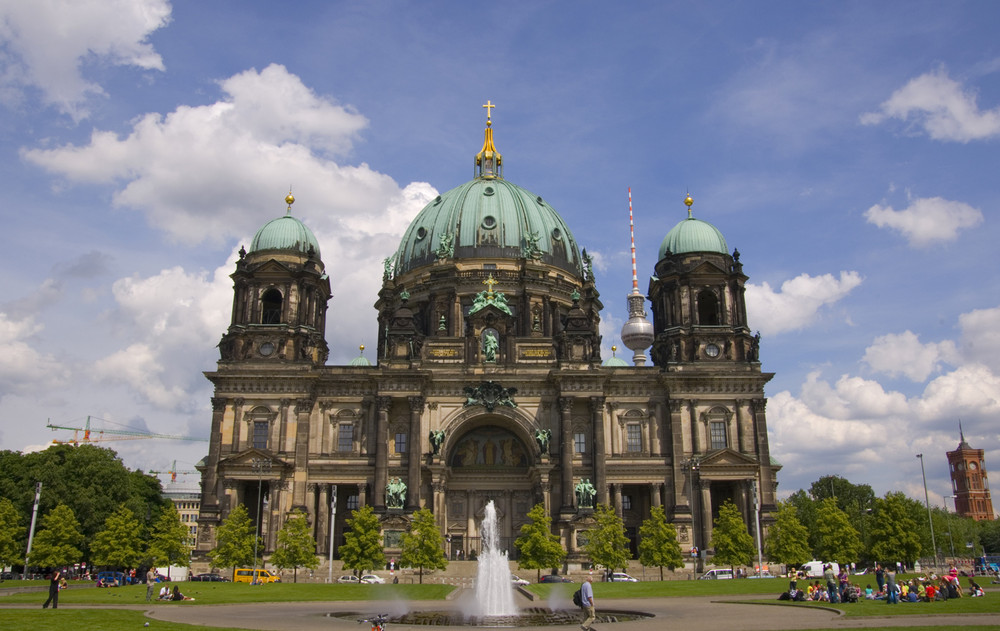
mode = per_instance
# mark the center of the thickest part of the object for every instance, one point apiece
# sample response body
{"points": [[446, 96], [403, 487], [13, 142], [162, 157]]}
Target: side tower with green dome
{"points": [[280, 297]]}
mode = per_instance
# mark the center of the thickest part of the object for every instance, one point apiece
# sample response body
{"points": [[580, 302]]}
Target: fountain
{"points": [[494, 590]]}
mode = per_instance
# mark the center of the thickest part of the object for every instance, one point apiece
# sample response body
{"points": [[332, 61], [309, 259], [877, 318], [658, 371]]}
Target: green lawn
{"points": [[218, 593], [89, 619], [666, 589]]}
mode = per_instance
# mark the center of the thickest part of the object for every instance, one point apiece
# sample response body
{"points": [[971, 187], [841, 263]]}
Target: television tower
{"points": [[637, 333]]}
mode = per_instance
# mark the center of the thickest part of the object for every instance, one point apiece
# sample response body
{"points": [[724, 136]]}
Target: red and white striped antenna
{"points": [[631, 230]]}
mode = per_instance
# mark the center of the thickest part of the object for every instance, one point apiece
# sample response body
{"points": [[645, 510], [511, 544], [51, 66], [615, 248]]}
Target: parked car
{"points": [[349, 579], [621, 577], [762, 574], [716, 574], [516, 580], [555, 578], [209, 578], [371, 579]]}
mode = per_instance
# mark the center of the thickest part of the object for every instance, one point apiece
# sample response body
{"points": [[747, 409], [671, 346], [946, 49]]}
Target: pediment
{"points": [[243, 463], [708, 268], [727, 458]]}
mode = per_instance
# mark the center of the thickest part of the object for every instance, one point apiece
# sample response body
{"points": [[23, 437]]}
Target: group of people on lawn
{"points": [[925, 588]]}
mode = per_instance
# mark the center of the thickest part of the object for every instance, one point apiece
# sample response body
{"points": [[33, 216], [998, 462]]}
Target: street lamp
{"points": [[692, 465], [927, 503], [259, 466], [951, 535]]}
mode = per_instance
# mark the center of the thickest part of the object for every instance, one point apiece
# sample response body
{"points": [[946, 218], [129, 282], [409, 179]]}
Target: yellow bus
{"points": [[245, 575]]}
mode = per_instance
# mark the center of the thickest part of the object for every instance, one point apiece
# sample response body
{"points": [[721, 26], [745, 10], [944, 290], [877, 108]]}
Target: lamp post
{"points": [[692, 465], [951, 535], [259, 466], [756, 512], [927, 503], [333, 522]]}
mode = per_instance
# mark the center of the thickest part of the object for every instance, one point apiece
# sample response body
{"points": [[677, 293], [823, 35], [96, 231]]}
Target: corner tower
{"points": [[280, 297]]}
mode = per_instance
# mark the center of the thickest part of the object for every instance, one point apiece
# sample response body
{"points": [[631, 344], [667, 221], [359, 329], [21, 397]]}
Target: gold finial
{"points": [[488, 107], [489, 282], [614, 349], [687, 202], [289, 199], [362, 348]]}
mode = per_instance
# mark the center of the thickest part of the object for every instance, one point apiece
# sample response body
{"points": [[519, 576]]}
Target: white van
{"points": [[814, 569], [716, 574]]}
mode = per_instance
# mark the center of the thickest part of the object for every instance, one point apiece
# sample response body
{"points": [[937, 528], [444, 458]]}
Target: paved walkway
{"points": [[689, 613]]}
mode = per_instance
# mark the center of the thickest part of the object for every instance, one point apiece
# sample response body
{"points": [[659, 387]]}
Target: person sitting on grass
{"points": [[164, 593], [177, 595], [974, 589]]}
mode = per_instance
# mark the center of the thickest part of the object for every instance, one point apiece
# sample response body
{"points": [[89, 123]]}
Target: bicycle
{"points": [[378, 622]]}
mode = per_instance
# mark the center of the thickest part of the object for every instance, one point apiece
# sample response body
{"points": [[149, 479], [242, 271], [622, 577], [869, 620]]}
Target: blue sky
{"points": [[848, 150]]}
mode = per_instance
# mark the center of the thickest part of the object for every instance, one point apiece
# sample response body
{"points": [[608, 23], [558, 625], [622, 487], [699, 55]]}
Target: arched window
{"points": [[708, 308], [270, 307]]}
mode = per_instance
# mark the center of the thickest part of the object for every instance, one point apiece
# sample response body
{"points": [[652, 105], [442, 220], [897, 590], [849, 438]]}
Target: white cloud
{"points": [[926, 220], [981, 336], [219, 171], [796, 305], [939, 105], [22, 367], [45, 43], [971, 391], [903, 354]]}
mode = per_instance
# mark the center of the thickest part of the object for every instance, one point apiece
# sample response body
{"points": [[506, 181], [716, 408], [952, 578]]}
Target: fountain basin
{"points": [[528, 617]]}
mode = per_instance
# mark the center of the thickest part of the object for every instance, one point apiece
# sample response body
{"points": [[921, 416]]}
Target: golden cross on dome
{"points": [[488, 107], [489, 282]]}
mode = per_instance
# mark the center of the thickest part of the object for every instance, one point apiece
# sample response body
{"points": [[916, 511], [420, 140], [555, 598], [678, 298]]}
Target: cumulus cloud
{"points": [[939, 105], [903, 354], [971, 391], [208, 172], [927, 220], [45, 44], [980, 340], [798, 302], [22, 366]]}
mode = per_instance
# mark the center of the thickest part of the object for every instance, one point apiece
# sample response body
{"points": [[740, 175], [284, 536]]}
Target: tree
{"points": [[894, 531], [119, 544], [658, 544], [56, 544], [787, 539], [296, 547], [836, 539], [607, 545], [168, 540], [539, 548], [733, 544], [422, 546], [11, 533], [90, 480], [234, 540], [362, 549]]}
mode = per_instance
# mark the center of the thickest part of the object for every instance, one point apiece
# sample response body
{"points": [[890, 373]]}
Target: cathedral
{"points": [[487, 384]]}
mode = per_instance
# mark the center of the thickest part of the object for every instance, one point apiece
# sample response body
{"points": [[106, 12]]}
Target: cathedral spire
{"points": [[489, 162]]}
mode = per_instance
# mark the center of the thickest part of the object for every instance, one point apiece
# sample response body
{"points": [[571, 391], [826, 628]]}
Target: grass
{"points": [[89, 619], [666, 589], [868, 608], [229, 593]]}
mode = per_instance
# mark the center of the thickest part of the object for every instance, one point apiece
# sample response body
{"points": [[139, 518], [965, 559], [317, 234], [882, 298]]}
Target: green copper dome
{"points": [[693, 235], [360, 360], [285, 233], [488, 218]]}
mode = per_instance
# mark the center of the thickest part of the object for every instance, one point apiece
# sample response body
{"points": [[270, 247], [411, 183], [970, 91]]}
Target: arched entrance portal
{"points": [[487, 461]]}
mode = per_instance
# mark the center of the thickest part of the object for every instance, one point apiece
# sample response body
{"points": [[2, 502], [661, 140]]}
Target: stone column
{"points": [[655, 494], [210, 490], [283, 424], [705, 527], [470, 521], [566, 452], [381, 451], [740, 426], [362, 495], [303, 408], [323, 520], [237, 423], [598, 456], [617, 488], [695, 428], [413, 457]]}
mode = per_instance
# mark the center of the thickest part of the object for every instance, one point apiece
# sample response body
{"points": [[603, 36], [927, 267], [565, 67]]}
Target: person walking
{"points": [[53, 590], [587, 595], [150, 584], [891, 597], [831, 582]]}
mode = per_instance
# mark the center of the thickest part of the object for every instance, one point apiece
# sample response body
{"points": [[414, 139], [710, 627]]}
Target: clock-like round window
{"points": [[712, 350], [972, 466], [267, 349]]}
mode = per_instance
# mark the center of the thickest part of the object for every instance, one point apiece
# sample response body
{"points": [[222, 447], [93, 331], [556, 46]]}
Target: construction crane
{"points": [[102, 435], [173, 472]]}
